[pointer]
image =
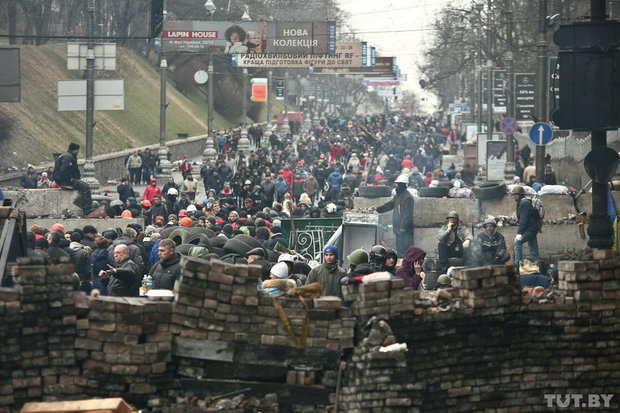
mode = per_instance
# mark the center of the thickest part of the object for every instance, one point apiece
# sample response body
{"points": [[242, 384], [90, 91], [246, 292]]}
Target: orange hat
{"points": [[182, 213], [186, 222], [322, 156], [126, 214], [146, 203], [57, 226]]}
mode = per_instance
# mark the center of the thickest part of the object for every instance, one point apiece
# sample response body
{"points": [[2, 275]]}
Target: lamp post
{"points": [[509, 170], [210, 152], [89, 165], [244, 142], [479, 5], [490, 123], [162, 153]]}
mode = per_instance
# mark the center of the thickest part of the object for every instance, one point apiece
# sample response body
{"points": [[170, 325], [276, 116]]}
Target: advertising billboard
{"points": [[347, 55], [200, 36], [382, 65]]}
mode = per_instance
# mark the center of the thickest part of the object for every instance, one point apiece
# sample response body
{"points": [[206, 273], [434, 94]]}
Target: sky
{"points": [[401, 28]]}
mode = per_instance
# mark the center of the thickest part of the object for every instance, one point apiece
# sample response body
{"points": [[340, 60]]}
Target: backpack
{"points": [[538, 206]]}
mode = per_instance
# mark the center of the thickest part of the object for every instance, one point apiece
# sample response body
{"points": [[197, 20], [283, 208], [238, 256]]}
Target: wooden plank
{"points": [[203, 349], [112, 405], [287, 394], [287, 356]]}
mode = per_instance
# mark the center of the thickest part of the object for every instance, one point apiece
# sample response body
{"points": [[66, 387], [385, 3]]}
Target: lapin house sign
{"points": [[246, 37], [348, 54]]}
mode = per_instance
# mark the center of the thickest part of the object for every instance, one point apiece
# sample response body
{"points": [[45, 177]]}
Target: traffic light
{"points": [[157, 17]]}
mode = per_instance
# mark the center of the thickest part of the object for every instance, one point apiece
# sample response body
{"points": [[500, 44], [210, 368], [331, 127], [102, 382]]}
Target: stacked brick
{"points": [[594, 285], [46, 336], [10, 358], [125, 347], [384, 299], [219, 301], [487, 287]]}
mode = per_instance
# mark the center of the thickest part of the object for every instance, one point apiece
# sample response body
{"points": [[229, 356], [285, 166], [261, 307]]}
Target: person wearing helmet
{"points": [[402, 217], [529, 225], [376, 262], [490, 245], [328, 274], [289, 260], [357, 257], [172, 206], [444, 281], [391, 258], [331, 211], [454, 239]]}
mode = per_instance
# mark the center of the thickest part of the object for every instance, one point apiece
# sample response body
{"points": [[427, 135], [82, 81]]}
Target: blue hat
{"points": [[331, 248], [536, 186], [214, 191], [337, 169]]}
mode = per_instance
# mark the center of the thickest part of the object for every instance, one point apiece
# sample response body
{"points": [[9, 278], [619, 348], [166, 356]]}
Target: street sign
{"points": [[541, 133], [500, 90], [508, 126]]}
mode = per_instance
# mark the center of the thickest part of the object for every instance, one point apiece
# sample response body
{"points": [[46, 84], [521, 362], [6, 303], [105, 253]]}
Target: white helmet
{"points": [[191, 208], [331, 208], [402, 179], [286, 258], [173, 191]]}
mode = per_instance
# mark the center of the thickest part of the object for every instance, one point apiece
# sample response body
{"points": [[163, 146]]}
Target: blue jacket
{"points": [[282, 186], [335, 180]]}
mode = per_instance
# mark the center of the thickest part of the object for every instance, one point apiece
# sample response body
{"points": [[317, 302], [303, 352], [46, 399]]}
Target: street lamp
{"points": [[210, 8], [479, 5], [246, 15]]}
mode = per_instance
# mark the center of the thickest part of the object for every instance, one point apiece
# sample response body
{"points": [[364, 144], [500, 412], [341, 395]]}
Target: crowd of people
{"points": [[313, 175]]}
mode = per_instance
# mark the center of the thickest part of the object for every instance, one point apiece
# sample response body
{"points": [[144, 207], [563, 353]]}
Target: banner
{"points": [[500, 91], [201, 36], [299, 38], [208, 36], [496, 160], [382, 66], [553, 91], [347, 55], [364, 54], [525, 96]]}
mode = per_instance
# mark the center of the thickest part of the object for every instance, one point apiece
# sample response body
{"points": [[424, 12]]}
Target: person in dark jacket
{"points": [[328, 274], [128, 239], [529, 225], [124, 190], [29, 179], [454, 238], [124, 280], [402, 217], [66, 173], [81, 260], [490, 245], [158, 209], [411, 268], [54, 250], [269, 189], [276, 236], [100, 259], [168, 269]]}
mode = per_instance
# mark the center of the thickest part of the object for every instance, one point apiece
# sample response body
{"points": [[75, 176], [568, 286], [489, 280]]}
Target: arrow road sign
{"points": [[508, 126], [541, 133]]}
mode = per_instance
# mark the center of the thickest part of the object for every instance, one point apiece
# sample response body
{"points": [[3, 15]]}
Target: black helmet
{"points": [[378, 254], [391, 253]]}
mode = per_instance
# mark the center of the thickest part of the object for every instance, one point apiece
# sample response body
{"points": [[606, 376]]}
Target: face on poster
{"points": [[211, 37]]}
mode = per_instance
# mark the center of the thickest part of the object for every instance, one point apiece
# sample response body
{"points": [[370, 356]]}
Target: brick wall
{"points": [[481, 345]]}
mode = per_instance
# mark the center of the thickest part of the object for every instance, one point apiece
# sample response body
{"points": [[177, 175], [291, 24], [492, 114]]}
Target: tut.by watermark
{"points": [[579, 400]]}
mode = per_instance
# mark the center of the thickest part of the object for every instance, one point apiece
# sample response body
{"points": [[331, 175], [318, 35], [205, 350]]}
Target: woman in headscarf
{"points": [[411, 268]]}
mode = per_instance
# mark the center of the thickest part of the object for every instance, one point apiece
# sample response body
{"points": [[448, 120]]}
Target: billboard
{"points": [[199, 36], [299, 37], [10, 75], [525, 96], [382, 65], [109, 95], [347, 55], [500, 90], [207, 36]]}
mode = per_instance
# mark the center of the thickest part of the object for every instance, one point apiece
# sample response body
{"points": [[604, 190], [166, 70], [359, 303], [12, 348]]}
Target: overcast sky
{"points": [[401, 28]]}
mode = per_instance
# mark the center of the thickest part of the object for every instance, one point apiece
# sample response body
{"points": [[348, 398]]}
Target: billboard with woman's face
{"points": [[245, 37]]}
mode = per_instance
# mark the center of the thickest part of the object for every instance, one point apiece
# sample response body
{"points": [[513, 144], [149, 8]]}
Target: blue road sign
{"points": [[541, 133], [508, 126]]}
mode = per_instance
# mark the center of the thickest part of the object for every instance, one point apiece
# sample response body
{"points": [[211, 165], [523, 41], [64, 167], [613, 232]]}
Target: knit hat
{"points": [[331, 249], [73, 147], [280, 270]]}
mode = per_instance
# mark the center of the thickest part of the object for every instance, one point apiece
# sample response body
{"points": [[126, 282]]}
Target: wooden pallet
{"points": [[112, 405]]}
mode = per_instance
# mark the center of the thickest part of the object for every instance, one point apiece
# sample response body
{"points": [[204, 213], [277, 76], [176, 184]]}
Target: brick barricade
{"points": [[478, 346]]}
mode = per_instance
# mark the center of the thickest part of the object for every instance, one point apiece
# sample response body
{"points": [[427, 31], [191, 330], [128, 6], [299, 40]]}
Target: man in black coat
{"points": [[168, 268], [529, 225], [402, 217], [124, 190], [124, 280], [66, 173]]}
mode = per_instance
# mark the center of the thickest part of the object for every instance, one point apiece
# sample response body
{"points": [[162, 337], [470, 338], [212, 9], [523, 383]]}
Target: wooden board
{"points": [[203, 349], [112, 405]]}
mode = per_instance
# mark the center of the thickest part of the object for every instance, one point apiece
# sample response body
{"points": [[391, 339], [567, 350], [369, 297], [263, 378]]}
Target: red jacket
{"points": [[288, 175], [150, 192]]}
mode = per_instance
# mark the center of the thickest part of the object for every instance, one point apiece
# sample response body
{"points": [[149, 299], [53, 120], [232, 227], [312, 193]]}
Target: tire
{"points": [[272, 256], [167, 231], [490, 190], [236, 246], [252, 242], [217, 250], [183, 249], [435, 192], [375, 191], [198, 239], [178, 236], [218, 242], [200, 230], [301, 268]]}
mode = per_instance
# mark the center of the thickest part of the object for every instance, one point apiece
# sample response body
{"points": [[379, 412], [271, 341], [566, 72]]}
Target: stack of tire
{"points": [[374, 191]]}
